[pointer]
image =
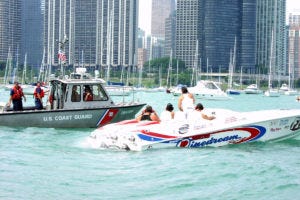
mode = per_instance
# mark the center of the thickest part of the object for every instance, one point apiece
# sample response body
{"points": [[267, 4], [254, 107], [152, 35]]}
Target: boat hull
{"points": [[272, 93], [69, 118], [233, 92], [235, 128]]}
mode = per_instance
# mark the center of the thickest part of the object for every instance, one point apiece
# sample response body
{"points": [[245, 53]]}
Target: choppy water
{"points": [[55, 164]]}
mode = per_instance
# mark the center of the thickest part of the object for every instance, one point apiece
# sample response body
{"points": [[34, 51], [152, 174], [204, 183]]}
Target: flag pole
{"points": [[61, 54]]}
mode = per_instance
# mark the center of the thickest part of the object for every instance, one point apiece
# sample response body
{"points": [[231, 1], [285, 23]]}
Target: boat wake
{"points": [[111, 141]]}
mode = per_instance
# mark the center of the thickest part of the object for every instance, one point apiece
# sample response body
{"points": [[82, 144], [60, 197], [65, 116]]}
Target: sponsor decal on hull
{"points": [[202, 140]]}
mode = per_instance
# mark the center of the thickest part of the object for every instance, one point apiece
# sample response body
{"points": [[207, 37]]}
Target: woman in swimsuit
{"points": [[148, 114]]}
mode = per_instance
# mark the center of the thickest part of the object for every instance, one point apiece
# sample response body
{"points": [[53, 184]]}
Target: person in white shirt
{"points": [[168, 113], [186, 102], [199, 114]]}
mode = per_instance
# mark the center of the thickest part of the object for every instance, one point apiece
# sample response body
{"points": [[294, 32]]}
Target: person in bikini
{"points": [[148, 114]]}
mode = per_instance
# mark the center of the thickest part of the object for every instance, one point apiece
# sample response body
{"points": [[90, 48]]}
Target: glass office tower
{"points": [[99, 33], [10, 28]]}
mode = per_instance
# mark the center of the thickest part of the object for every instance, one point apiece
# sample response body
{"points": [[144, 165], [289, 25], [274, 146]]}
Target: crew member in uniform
{"points": [[38, 96], [16, 96]]}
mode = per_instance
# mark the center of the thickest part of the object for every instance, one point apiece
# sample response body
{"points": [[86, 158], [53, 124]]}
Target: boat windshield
{"points": [[210, 85], [94, 93]]}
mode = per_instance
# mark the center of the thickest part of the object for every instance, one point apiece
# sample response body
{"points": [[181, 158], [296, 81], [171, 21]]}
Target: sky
{"points": [[292, 6], [145, 15]]}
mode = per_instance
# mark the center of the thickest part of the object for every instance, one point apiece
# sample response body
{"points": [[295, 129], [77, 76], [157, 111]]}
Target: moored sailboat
{"points": [[271, 92], [232, 63]]}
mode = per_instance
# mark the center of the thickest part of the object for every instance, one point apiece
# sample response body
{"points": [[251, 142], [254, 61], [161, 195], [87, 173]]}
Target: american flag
{"points": [[62, 56]]}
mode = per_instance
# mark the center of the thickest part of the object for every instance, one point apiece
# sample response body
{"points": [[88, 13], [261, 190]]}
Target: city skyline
{"points": [[145, 9]]}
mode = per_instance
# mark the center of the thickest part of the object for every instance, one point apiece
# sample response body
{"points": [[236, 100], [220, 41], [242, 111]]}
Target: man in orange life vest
{"points": [[16, 95], [38, 96]]}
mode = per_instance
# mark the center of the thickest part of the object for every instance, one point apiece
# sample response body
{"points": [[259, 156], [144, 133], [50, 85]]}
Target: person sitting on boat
{"points": [[88, 96], [199, 114], [38, 96], [75, 97], [186, 101], [16, 95], [168, 113], [148, 114]]}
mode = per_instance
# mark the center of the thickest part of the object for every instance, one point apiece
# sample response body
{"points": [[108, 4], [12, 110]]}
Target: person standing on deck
{"points": [[38, 96], [186, 102], [16, 95]]}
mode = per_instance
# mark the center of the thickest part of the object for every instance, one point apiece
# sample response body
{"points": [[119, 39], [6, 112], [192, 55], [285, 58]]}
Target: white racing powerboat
{"points": [[229, 127]]}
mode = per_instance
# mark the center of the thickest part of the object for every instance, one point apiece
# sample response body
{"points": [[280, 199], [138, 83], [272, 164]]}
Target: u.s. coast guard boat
{"points": [[68, 108], [228, 127]]}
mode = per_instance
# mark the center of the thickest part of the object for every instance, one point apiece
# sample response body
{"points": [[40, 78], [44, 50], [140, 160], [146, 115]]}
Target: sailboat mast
{"points": [[270, 62], [109, 32], [169, 69], [194, 71], [206, 68], [230, 71], [17, 65], [24, 70], [7, 67], [177, 71]]}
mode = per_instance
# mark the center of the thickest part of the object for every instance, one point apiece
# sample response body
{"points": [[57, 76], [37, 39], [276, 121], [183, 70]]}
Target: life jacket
{"points": [[51, 99], [42, 94], [17, 93]]}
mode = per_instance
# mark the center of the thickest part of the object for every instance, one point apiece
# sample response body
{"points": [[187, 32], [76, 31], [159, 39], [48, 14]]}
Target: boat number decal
{"points": [[67, 117], [107, 116], [295, 125]]}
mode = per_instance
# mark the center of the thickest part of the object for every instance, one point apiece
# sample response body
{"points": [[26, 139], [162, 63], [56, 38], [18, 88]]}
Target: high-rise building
{"points": [[99, 33], [170, 35], [187, 30], [270, 26], [217, 25], [10, 28], [161, 10], [246, 48], [32, 32], [56, 27], [142, 57], [84, 33], [220, 26], [141, 39], [117, 32], [294, 46]]}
